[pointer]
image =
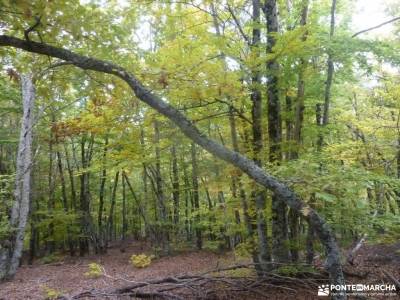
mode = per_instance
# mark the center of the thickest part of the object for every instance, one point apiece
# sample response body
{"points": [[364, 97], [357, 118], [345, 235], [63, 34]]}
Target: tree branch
{"points": [[32, 28], [375, 27], [235, 19]]}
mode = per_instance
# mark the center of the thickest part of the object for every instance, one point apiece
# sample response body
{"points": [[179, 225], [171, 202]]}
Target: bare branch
{"points": [[32, 28], [375, 27], [238, 25]]}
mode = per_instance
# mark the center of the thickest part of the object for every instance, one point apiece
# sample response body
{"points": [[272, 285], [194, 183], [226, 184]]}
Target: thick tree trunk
{"points": [[279, 218], [11, 247], [286, 195], [258, 195]]}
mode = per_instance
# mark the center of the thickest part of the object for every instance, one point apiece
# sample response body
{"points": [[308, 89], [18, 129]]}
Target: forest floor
{"points": [[67, 276]]}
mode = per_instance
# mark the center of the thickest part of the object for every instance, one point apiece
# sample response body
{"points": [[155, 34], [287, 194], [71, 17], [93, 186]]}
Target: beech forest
{"points": [[199, 149]]}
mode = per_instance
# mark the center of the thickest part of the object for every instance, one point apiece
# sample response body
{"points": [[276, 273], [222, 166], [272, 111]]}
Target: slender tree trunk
{"points": [[102, 232], [322, 119], [87, 230], [187, 189], [330, 71], [235, 179], [12, 245], [289, 125], [160, 192], [299, 116], [211, 219], [139, 204], [34, 234], [175, 185], [294, 228], [237, 185], [64, 197], [398, 157], [310, 237], [50, 243], [34, 220], [223, 229], [71, 179], [293, 217], [110, 221], [196, 200], [145, 185], [84, 204], [124, 210]]}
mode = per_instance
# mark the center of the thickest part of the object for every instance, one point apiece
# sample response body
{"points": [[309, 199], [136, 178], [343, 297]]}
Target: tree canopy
{"points": [[148, 115]]}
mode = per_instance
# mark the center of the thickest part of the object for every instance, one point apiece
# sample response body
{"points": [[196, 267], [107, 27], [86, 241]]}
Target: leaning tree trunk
{"points": [[11, 246], [246, 165]]}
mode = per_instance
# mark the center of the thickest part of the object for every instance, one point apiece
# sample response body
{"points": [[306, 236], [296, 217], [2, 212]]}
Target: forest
{"points": [[199, 149]]}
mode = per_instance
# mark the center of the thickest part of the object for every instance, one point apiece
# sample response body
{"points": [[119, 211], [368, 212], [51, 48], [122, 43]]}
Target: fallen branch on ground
{"points": [[206, 285], [392, 279], [351, 255]]}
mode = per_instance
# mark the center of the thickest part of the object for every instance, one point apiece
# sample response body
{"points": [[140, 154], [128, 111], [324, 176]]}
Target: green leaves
{"points": [[326, 197]]}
